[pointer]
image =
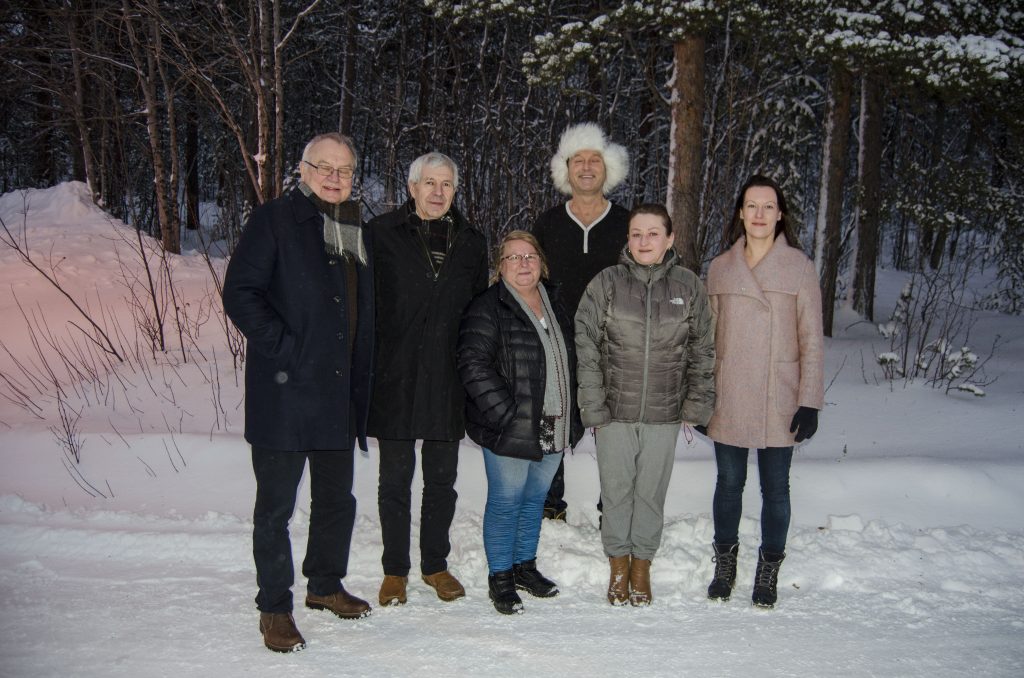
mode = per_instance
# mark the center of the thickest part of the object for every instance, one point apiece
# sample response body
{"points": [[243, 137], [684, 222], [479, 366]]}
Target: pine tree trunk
{"points": [[830, 200], [685, 160], [870, 179]]}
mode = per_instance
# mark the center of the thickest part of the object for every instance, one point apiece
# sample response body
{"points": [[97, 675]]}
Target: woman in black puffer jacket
{"points": [[516, 359]]}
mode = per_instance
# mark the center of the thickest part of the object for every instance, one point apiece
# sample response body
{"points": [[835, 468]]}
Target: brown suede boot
{"points": [[392, 590], [279, 632], [640, 583], [342, 603], [618, 583], [447, 586]]}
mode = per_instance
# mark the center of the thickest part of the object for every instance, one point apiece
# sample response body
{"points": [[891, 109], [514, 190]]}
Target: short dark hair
{"points": [[734, 231], [655, 209]]}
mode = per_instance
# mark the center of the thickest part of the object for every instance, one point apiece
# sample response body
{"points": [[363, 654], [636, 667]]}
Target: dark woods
{"points": [[893, 132]]}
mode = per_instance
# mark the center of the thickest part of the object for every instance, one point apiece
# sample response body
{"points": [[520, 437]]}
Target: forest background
{"points": [[894, 128]]}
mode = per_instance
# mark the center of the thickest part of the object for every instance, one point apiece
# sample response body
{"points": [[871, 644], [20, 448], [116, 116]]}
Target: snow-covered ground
{"points": [[905, 558]]}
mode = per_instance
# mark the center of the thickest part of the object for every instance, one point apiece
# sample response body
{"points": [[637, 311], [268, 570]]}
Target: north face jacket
{"points": [[645, 342]]}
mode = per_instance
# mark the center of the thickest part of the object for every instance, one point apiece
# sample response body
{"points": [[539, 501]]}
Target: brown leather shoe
{"points": [[279, 632], [618, 582], [342, 603], [447, 586], [392, 590], [640, 583]]}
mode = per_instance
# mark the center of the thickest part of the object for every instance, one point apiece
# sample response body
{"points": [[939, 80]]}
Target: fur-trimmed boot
{"points": [[725, 571], [766, 578]]}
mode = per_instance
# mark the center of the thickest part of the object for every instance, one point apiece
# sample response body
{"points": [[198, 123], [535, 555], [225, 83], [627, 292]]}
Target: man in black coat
{"points": [[429, 262], [299, 286], [584, 235]]}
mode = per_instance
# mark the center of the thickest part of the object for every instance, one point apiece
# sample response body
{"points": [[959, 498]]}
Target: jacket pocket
{"points": [[787, 386]]}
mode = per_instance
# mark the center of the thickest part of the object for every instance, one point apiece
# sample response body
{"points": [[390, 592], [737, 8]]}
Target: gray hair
{"points": [[433, 159], [336, 137]]}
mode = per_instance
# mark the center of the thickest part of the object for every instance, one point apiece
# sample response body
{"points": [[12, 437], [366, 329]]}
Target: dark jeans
{"points": [[332, 514], [439, 461], [773, 466], [555, 499]]}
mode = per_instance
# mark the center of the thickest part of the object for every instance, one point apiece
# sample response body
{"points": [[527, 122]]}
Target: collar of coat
{"points": [[781, 270], [651, 272], [414, 220], [303, 208], [505, 296]]}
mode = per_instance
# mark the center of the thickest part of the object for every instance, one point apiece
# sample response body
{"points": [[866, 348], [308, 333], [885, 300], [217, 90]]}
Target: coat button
{"points": [[340, 336], [337, 373], [337, 299]]}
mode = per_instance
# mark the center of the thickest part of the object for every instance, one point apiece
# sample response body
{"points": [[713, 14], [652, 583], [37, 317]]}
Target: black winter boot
{"points": [[767, 578], [725, 571], [528, 579], [501, 587]]}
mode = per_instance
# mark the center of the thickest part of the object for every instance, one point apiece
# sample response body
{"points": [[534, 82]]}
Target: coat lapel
{"points": [[735, 277], [781, 270]]}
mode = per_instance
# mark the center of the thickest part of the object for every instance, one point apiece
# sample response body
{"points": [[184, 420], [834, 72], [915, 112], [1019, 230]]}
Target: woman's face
{"points": [[760, 213], [648, 240], [520, 265]]}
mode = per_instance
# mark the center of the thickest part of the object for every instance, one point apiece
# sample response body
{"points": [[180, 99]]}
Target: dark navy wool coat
{"points": [[307, 382]]}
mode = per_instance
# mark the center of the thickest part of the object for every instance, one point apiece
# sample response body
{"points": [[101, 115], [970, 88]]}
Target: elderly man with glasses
{"points": [[299, 286]]}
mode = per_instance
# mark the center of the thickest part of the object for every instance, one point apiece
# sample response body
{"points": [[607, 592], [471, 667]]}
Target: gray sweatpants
{"points": [[635, 464]]}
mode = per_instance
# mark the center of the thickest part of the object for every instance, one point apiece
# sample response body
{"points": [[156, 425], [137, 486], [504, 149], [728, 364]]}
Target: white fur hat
{"points": [[588, 136]]}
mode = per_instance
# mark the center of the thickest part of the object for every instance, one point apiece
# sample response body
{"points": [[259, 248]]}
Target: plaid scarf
{"points": [[342, 226]]}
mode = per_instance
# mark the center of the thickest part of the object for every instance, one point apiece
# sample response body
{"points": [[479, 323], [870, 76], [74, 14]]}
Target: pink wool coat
{"points": [[769, 344]]}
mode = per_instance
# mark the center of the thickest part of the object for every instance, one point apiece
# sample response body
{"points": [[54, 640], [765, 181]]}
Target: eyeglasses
{"points": [[325, 170], [516, 258]]}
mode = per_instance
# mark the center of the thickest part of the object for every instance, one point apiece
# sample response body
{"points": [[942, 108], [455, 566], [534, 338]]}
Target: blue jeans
{"points": [[773, 466], [516, 489]]}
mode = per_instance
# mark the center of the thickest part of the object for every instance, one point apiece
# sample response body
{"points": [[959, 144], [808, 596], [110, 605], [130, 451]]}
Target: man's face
{"points": [[586, 173], [330, 156], [434, 192]]}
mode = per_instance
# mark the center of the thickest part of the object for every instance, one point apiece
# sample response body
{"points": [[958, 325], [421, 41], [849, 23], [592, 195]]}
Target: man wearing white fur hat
{"points": [[586, 234]]}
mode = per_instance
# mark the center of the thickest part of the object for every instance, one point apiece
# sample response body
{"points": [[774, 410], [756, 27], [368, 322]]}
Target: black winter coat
{"points": [[503, 368], [290, 300], [417, 394]]}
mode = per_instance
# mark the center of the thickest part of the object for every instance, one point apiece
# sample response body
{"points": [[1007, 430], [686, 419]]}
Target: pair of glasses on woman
{"points": [[516, 258]]}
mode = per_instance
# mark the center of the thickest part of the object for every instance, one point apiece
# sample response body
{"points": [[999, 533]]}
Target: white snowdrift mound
{"points": [[905, 557]]}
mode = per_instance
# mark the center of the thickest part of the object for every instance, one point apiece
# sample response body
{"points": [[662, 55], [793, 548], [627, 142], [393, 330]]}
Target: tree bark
{"points": [[78, 100], [830, 196], [686, 146], [869, 209], [348, 69]]}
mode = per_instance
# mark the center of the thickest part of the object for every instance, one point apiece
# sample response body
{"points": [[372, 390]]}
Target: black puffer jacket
{"points": [[501, 363]]}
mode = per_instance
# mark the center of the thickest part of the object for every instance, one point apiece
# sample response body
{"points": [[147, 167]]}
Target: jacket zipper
{"points": [[647, 345]]}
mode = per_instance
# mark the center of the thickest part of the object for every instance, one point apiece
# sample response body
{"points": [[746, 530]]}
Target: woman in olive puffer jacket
{"points": [[646, 345]]}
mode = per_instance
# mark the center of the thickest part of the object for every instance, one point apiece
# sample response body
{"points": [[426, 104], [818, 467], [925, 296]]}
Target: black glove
{"points": [[805, 423], [703, 430]]}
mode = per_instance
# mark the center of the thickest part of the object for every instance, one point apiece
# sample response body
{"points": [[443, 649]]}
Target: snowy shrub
{"points": [[929, 332]]}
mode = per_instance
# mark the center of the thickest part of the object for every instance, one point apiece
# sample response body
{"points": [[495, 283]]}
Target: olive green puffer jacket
{"points": [[645, 342]]}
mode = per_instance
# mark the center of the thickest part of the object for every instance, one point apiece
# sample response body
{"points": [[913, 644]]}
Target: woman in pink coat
{"points": [[768, 376]]}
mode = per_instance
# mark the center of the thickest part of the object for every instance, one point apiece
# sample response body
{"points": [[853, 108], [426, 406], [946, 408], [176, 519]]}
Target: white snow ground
{"points": [[905, 558]]}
